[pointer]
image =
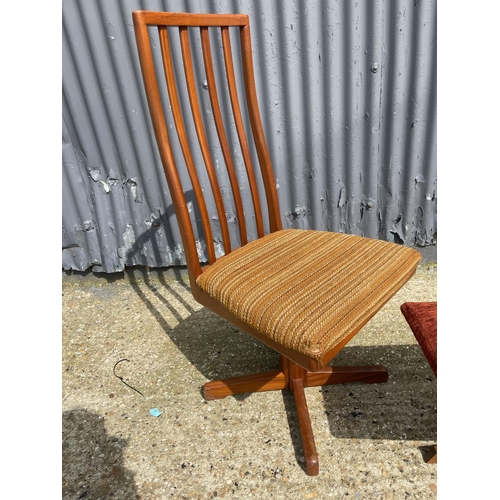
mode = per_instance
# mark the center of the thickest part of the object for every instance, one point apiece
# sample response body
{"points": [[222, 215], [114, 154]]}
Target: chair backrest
{"points": [[185, 26]]}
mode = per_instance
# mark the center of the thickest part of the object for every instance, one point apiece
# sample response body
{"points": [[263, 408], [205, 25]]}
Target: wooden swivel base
{"points": [[295, 378]]}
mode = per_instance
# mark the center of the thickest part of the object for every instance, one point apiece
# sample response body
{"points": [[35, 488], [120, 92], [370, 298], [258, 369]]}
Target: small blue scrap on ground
{"points": [[155, 412]]}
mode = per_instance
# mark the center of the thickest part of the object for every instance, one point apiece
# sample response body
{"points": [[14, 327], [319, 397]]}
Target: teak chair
{"points": [[304, 293]]}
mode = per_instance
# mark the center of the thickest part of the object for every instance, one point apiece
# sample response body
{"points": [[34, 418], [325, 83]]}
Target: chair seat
{"points": [[309, 290]]}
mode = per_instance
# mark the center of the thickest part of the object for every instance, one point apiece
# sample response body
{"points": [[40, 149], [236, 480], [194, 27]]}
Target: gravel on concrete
{"points": [[138, 342]]}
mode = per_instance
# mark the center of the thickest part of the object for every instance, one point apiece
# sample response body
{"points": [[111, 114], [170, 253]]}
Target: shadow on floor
{"points": [[403, 408], [92, 460], [215, 347]]}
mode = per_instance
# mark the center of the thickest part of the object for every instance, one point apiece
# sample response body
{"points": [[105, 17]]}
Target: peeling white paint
{"points": [[105, 186], [219, 249], [126, 250], [201, 250], [95, 174]]}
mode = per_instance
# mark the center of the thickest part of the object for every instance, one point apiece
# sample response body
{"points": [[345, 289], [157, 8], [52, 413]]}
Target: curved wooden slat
{"points": [[164, 147], [183, 139], [202, 138], [219, 125], [233, 93]]}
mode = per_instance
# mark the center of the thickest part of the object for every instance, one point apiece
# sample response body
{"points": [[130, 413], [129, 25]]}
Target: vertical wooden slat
{"points": [[183, 139], [258, 132], [233, 93], [202, 138], [219, 124], [164, 147]]}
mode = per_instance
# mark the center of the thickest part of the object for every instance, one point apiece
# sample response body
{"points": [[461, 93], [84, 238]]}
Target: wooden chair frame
{"points": [[297, 371]]}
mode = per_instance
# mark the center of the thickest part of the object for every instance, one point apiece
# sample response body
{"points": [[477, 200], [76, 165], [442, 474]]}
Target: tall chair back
{"points": [[158, 74]]}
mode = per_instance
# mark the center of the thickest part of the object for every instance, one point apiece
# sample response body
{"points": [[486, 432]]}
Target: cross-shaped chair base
{"points": [[295, 378]]}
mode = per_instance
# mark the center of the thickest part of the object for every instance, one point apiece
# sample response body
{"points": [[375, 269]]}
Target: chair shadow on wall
{"points": [[92, 460], [401, 409]]}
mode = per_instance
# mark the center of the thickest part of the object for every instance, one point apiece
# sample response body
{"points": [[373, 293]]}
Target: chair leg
{"points": [[347, 374], [306, 432], [294, 378]]}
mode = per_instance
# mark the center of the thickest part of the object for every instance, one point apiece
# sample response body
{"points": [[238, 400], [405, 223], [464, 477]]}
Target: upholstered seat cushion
{"points": [[309, 290], [422, 318]]}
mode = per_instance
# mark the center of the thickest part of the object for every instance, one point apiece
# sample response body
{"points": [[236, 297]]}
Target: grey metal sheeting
{"points": [[347, 92]]}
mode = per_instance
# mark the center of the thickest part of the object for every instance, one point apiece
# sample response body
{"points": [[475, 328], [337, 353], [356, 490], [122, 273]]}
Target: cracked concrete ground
{"points": [[370, 438]]}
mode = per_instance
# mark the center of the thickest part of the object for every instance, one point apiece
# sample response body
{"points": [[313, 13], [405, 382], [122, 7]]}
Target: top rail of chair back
{"points": [[151, 18]]}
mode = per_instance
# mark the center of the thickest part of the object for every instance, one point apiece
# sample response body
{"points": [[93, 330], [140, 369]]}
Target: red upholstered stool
{"points": [[422, 318]]}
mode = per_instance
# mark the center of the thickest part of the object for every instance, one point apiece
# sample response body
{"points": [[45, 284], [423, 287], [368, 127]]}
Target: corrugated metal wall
{"points": [[347, 92]]}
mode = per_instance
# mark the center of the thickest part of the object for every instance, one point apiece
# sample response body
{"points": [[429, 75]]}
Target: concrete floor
{"points": [[370, 438]]}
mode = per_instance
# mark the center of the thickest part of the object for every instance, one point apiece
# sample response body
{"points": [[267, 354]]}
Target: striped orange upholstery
{"points": [[309, 290]]}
